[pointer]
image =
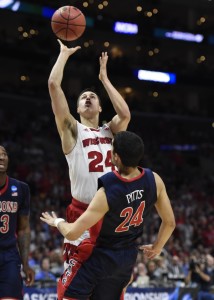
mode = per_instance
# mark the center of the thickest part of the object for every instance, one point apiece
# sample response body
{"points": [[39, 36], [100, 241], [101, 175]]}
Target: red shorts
{"points": [[75, 255], [73, 212]]}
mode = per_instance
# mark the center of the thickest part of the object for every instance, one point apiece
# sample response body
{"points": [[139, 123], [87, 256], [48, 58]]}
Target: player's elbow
{"points": [[126, 115], [52, 83], [125, 118], [171, 224], [72, 236]]}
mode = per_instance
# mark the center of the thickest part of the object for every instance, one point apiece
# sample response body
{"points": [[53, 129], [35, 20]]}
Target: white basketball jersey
{"points": [[89, 159]]}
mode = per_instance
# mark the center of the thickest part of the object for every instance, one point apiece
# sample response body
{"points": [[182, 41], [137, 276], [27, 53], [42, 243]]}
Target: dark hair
{"points": [[88, 90], [4, 149], [130, 147]]}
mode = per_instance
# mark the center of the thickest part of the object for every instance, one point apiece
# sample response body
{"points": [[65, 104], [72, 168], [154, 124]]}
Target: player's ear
{"points": [[116, 157], [100, 109]]}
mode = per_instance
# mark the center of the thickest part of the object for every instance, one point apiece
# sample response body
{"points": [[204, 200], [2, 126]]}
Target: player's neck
{"points": [[92, 123], [129, 172], [3, 177]]}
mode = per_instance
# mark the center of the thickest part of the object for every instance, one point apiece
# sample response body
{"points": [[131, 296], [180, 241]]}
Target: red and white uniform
{"points": [[89, 159]]}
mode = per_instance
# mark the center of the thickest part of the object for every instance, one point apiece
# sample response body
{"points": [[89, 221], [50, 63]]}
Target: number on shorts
{"points": [[130, 219]]}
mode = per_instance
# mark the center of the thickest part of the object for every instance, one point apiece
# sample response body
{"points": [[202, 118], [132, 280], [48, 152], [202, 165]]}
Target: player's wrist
{"points": [[57, 221]]}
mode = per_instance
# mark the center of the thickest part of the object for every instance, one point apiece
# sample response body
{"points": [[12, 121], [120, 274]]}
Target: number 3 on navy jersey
{"points": [[96, 165], [131, 219], [5, 222]]}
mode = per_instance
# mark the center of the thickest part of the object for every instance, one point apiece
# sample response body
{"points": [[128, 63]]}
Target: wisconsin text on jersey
{"points": [[96, 141]]}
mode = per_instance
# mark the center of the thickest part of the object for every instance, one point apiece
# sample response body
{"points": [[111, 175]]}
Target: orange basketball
{"points": [[68, 23]]}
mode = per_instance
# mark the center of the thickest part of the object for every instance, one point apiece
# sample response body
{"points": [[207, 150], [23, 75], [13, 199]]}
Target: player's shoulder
{"points": [[17, 182], [158, 181], [153, 177], [148, 172], [107, 179], [108, 175]]}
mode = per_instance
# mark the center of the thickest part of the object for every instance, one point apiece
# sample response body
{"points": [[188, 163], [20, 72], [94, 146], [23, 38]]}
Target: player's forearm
{"points": [[23, 240], [56, 74], [165, 231], [69, 230], [118, 102]]}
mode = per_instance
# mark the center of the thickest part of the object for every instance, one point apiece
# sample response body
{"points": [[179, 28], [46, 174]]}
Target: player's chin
{"points": [[89, 112]]}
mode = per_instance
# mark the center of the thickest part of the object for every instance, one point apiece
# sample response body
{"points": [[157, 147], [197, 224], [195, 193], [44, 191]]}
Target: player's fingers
{"points": [[45, 215], [58, 40], [145, 247], [54, 214], [141, 247], [30, 276], [29, 281], [45, 220], [77, 48], [149, 255]]}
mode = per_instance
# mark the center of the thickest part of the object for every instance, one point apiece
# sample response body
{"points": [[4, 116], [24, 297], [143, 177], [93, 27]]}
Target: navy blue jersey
{"points": [[130, 202], [14, 201]]}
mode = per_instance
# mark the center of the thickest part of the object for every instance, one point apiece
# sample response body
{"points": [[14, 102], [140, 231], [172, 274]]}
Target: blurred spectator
{"points": [[200, 276], [141, 279], [56, 262], [210, 264], [161, 268], [45, 273], [175, 270], [35, 258], [154, 278]]}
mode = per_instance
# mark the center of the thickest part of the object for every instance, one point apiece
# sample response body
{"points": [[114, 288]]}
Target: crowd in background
{"points": [[179, 150]]}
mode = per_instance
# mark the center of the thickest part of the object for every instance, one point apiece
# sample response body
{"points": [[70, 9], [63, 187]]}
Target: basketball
{"points": [[68, 23]]}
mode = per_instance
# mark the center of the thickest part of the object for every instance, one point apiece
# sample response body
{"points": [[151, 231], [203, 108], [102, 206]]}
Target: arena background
{"points": [[176, 120]]}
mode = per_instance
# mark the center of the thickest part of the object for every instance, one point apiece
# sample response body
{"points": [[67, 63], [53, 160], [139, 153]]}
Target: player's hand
{"points": [[49, 219], [149, 251], [103, 63], [69, 51], [30, 276]]}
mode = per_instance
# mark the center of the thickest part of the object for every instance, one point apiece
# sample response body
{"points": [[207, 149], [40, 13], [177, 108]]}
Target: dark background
{"points": [[34, 55], [176, 121]]}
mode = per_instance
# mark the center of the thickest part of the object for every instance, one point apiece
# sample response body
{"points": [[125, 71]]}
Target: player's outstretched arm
{"points": [[122, 118], [64, 120], [164, 209], [72, 231]]}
